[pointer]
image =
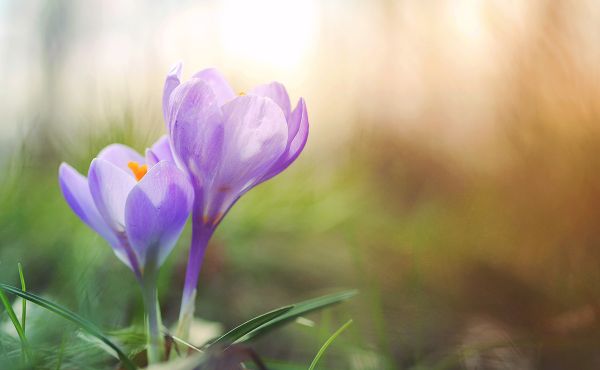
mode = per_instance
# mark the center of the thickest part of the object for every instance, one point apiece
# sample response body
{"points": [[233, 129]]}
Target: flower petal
{"points": [[196, 129], [156, 211], [255, 137], [296, 144], [278, 94], [76, 191], [74, 187], [171, 82], [120, 155], [109, 187], [217, 83], [160, 151]]}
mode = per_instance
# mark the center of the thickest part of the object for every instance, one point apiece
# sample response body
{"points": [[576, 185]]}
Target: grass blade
{"points": [[86, 325], [239, 331], [327, 343], [298, 310], [23, 301], [184, 342], [61, 353], [17, 325]]}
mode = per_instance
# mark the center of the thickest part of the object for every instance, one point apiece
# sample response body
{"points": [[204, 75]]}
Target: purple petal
{"points": [[76, 191], [156, 211], [255, 137], [217, 83], [196, 128], [276, 92], [110, 186], [295, 121], [120, 155], [171, 82], [151, 157], [296, 144], [160, 151]]}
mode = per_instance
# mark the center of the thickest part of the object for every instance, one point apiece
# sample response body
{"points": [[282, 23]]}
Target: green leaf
{"points": [[185, 343], [327, 343], [86, 325], [239, 331], [298, 310], [24, 301], [270, 320], [16, 324]]}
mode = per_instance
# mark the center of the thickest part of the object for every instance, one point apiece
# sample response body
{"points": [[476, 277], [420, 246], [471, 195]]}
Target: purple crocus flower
{"points": [[140, 206], [139, 211], [228, 144]]}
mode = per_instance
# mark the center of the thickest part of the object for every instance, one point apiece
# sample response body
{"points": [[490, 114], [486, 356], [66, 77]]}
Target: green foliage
{"points": [[264, 323], [327, 343], [67, 314], [18, 326], [297, 310], [24, 301], [238, 332]]}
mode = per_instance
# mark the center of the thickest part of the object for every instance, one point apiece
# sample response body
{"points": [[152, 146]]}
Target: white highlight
{"points": [[274, 32]]}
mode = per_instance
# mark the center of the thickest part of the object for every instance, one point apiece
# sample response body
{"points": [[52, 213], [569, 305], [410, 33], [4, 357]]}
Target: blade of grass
{"points": [[185, 343], [23, 301], [298, 310], [327, 343], [239, 331], [61, 353], [86, 325], [17, 325]]}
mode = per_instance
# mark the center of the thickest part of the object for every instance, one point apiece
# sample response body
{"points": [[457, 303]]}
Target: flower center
{"points": [[138, 171]]}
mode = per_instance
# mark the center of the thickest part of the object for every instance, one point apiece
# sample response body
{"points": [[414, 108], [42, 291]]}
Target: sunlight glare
{"points": [[277, 33]]}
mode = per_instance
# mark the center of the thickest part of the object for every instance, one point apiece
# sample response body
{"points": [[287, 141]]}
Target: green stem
{"points": [[153, 321]]}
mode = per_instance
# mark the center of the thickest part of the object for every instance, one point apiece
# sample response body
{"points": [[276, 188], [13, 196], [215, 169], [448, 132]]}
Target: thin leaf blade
{"points": [[86, 325], [24, 301], [16, 324], [241, 330], [327, 343], [299, 309]]}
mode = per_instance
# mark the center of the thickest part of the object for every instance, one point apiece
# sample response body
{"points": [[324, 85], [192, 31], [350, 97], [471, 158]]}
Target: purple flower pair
{"points": [[219, 146]]}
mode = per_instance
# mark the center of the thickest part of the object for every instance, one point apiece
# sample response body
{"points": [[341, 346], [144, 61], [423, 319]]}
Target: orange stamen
{"points": [[138, 171]]}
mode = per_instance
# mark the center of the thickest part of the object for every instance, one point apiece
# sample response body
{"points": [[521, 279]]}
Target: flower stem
{"points": [[153, 320], [201, 234]]}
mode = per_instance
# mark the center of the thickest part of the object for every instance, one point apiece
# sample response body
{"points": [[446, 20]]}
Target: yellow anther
{"points": [[138, 171], [241, 93]]}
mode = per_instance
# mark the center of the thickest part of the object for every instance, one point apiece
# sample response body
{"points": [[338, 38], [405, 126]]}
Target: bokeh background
{"points": [[452, 172]]}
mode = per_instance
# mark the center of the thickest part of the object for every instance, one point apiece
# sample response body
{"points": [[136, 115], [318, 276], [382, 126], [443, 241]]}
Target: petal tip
{"points": [[176, 70], [64, 166]]}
